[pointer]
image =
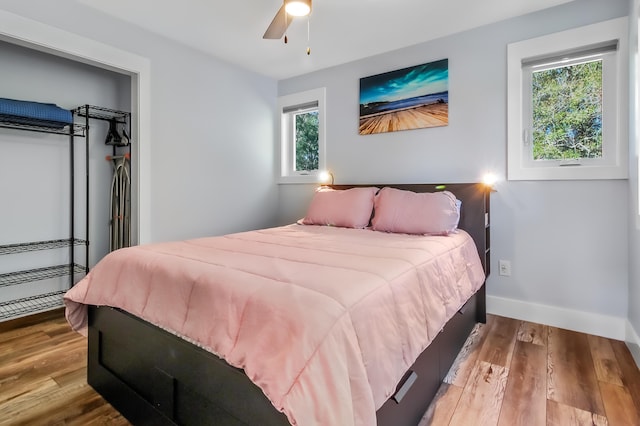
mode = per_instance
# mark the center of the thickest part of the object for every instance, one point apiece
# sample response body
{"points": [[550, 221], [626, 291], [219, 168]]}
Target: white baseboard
{"points": [[584, 322], [633, 342]]}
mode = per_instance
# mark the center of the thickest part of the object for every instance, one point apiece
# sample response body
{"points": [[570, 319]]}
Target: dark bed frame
{"points": [[155, 378]]}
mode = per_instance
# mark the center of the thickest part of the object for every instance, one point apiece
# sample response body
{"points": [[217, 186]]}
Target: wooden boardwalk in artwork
{"points": [[433, 115]]}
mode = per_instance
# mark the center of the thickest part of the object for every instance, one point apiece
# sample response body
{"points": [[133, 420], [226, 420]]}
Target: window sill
{"points": [[299, 179], [582, 172]]}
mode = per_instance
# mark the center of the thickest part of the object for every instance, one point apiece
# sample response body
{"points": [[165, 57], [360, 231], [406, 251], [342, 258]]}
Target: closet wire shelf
{"points": [[101, 113], [73, 129], [40, 245], [43, 302], [29, 305], [38, 274]]}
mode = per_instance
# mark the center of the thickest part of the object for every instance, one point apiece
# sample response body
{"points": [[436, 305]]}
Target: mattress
{"points": [[324, 320]]}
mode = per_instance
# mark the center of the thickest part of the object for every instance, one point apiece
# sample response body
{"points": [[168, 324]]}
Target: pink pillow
{"points": [[408, 212], [348, 208]]}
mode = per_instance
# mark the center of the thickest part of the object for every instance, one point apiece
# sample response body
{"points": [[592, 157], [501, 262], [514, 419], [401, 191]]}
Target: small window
{"points": [[302, 136], [566, 115], [563, 108], [304, 132]]}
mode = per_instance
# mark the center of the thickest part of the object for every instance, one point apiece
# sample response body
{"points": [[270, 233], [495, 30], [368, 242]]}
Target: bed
{"points": [[155, 371]]}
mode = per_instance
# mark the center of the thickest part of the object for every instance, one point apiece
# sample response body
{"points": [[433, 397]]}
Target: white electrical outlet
{"points": [[504, 267]]}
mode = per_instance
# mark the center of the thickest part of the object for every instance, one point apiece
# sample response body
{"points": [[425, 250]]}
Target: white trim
{"points": [[301, 179], [565, 41], [35, 35], [584, 322], [631, 335], [633, 342]]}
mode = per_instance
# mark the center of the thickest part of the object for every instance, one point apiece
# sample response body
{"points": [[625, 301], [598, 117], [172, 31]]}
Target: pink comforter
{"points": [[324, 320]]}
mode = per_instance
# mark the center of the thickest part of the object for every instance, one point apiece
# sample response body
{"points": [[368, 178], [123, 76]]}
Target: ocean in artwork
{"points": [[409, 98]]}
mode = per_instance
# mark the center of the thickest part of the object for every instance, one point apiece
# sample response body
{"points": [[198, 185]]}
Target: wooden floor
{"points": [[517, 373], [509, 373], [43, 371]]}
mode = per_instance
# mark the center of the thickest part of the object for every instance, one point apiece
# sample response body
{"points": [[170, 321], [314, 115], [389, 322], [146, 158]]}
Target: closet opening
{"points": [[49, 65]]}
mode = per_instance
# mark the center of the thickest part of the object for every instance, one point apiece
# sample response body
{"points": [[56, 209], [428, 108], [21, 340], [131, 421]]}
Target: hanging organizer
{"points": [[119, 138], [44, 118]]}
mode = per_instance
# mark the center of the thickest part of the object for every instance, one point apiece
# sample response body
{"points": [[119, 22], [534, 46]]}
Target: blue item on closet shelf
{"points": [[34, 113]]}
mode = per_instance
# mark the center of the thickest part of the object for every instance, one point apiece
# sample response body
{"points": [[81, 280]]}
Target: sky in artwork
{"points": [[406, 83]]}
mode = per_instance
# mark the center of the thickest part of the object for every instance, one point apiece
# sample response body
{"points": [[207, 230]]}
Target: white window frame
{"points": [[615, 141], [288, 174]]}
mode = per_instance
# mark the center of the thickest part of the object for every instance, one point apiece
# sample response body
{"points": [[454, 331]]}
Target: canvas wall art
{"points": [[409, 98]]}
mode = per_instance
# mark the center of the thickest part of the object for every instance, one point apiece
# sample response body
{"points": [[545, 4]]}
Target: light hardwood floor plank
{"points": [[463, 364], [104, 414], [78, 374], [630, 372], [482, 397], [533, 333], [559, 414], [43, 379], [619, 405], [18, 405], [57, 361], [52, 404], [497, 348], [8, 346], [443, 406], [571, 377], [604, 359], [525, 400]]}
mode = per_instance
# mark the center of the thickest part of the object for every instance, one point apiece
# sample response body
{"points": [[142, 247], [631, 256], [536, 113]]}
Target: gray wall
{"points": [[567, 240], [212, 156]]}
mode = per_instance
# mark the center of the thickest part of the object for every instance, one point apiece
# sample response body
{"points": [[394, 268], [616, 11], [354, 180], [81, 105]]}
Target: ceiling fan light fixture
{"points": [[297, 7]]}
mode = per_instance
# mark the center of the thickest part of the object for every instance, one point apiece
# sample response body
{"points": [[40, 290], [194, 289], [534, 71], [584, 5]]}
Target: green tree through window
{"points": [[567, 112], [307, 141]]}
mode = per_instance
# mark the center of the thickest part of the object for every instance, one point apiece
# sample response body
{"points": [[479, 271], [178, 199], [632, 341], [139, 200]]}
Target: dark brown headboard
{"points": [[474, 215]]}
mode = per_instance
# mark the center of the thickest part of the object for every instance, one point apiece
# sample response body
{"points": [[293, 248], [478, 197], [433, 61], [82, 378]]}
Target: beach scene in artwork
{"points": [[409, 98]]}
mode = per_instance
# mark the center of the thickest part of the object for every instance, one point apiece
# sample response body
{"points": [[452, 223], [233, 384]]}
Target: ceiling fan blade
{"points": [[278, 26]]}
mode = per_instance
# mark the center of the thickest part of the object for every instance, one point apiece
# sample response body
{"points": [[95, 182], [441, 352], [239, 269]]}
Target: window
{"points": [[563, 104], [305, 138], [302, 136], [567, 106]]}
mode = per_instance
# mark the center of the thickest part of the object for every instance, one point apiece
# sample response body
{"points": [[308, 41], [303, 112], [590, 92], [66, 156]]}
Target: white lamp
{"points": [[297, 7], [326, 176], [490, 179]]}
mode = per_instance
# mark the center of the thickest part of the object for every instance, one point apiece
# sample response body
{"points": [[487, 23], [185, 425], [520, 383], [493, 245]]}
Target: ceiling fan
{"points": [[289, 10]]}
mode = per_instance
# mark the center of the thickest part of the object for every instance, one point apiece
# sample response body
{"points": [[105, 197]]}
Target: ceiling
{"points": [[340, 30]]}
